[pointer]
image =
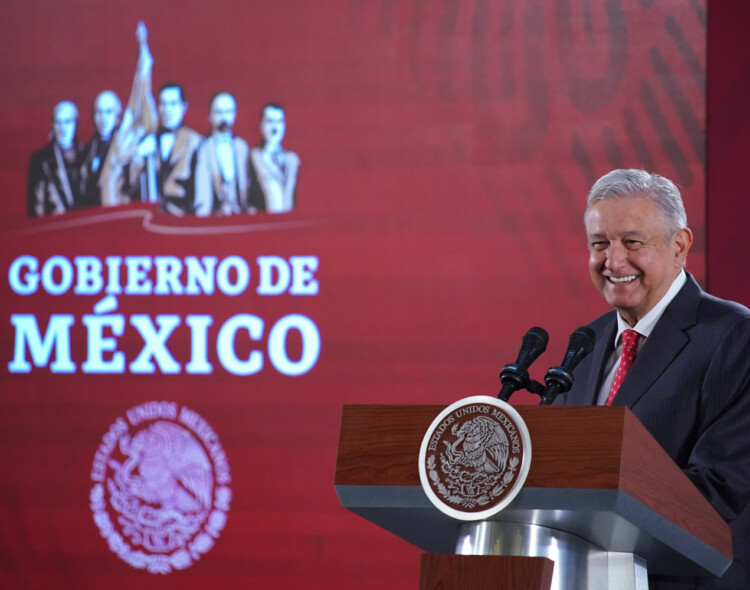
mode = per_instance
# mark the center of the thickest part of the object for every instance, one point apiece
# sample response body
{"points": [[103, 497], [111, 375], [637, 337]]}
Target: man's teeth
{"points": [[623, 279]]}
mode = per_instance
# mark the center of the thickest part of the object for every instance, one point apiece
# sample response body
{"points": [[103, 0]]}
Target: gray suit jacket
{"points": [[690, 386]]}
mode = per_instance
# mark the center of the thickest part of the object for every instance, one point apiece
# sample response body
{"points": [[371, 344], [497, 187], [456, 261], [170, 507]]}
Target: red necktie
{"points": [[629, 348]]}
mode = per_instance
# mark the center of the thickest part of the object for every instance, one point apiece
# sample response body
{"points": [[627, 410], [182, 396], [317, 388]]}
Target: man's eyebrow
{"points": [[635, 233]]}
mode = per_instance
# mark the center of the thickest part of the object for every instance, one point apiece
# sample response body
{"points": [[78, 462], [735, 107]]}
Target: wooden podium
{"points": [[598, 483]]}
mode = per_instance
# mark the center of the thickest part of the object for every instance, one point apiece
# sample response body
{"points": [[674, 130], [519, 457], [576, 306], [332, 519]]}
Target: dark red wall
{"points": [[728, 203]]}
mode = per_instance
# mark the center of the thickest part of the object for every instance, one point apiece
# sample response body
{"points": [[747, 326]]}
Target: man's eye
{"points": [[598, 245]]}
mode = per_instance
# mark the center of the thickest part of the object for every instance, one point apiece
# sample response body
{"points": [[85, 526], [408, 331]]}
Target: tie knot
{"points": [[630, 339]]}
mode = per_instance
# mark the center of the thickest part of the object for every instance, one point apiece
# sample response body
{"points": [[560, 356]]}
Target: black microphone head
{"points": [[560, 379], [537, 338], [533, 344], [516, 375], [580, 344], [584, 337]]}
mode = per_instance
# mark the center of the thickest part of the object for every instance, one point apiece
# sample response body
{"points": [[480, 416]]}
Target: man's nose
{"points": [[617, 256]]}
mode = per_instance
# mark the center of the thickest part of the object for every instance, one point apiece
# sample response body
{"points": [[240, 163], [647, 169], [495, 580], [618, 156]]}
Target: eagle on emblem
{"points": [[481, 443]]}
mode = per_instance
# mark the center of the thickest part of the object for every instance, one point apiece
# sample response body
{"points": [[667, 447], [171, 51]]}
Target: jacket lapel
{"points": [[180, 144], [602, 349], [667, 339], [585, 394]]}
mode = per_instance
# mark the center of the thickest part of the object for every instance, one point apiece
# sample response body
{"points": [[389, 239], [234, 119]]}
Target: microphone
{"points": [[516, 376], [560, 379]]}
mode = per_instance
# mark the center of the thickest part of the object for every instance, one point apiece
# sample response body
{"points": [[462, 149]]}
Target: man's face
{"points": [[223, 112], [273, 126], [106, 112], [171, 108], [629, 260], [64, 125]]}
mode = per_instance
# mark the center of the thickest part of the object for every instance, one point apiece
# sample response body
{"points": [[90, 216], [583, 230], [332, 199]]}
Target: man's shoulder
{"points": [[189, 135], [45, 152], [708, 308], [241, 144], [42, 163], [206, 145], [712, 308], [603, 321], [292, 157]]}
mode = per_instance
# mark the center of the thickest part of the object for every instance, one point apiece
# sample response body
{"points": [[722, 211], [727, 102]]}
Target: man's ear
{"points": [[681, 243]]}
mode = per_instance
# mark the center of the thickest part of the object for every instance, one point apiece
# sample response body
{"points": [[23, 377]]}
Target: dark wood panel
{"points": [[484, 572]]}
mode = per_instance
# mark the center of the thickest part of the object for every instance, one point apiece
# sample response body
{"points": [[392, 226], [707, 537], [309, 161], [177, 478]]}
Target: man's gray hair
{"points": [[64, 103], [113, 96], [639, 183]]}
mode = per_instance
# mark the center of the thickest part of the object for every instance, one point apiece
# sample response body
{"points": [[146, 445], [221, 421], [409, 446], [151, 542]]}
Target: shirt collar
{"points": [[646, 324]]}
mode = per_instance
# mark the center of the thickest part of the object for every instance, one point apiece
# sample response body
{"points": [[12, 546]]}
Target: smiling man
{"points": [[678, 357], [636, 250]]}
